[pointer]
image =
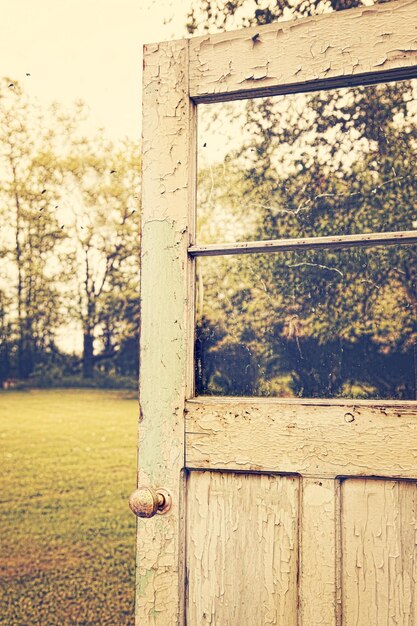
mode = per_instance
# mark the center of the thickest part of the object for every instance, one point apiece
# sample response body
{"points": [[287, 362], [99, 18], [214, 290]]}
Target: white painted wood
{"points": [[167, 157], [317, 580], [242, 549], [308, 243], [379, 533], [288, 538], [344, 439], [338, 49]]}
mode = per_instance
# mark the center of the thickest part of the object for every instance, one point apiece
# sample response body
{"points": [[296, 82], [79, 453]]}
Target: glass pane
{"points": [[303, 165], [326, 323]]}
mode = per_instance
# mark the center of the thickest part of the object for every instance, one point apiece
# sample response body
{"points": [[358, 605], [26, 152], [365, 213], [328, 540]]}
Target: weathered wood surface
{"points": [[167, 135], [265, 549], [379, 532], [360, 45], [306, 438], [318, 550], [242, 549], [289, 529], [308, 243]]}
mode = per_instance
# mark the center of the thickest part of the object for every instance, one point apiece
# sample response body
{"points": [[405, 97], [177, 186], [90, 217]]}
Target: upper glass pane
{"points": [[326, 163]]}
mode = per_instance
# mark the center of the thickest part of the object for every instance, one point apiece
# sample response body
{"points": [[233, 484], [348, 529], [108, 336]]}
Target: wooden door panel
{"points": [[379, 534], [269, 549], [242, 549]]}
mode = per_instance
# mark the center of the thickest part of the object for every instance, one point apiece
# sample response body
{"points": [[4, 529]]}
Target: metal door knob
{"points": [[147, 502]]}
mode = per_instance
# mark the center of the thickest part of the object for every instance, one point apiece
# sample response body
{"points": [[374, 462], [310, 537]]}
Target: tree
{"points": [[104, 183], [31, 236], [70, 244]]}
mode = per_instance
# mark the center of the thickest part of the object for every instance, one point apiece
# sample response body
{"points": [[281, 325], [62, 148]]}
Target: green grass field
{"points": [[67, 537]]}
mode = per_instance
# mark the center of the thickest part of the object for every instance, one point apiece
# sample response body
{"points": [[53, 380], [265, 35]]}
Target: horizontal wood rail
{"points": [[344, 48], [340, 82], [308, 243], [313, 438]]}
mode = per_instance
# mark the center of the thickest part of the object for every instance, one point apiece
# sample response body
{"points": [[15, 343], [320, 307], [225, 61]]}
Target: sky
{"points": [[87, 49], [67, 50]]}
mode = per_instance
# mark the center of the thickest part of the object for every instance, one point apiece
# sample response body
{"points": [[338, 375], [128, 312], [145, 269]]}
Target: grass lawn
{"points": [[67, 537]]}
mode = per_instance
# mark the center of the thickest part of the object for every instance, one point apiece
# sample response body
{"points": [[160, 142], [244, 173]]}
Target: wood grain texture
{"points": [[167, 155], [326, 440], [359, 45], [242, 547], [379, 532], [317, 580]]}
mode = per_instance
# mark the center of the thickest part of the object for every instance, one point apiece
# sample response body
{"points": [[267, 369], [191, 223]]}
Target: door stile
{"points": [[168, 132], [339, 552], [189, 345], [191, 260]]}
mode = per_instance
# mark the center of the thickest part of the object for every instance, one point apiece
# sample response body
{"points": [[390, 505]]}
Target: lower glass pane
{"points": [[317, 323]]}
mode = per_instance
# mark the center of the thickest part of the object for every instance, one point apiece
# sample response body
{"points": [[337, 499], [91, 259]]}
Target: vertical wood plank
{"points": [[167, 166], [379, 533], [318, 542], [191, 261], [242, 549]]}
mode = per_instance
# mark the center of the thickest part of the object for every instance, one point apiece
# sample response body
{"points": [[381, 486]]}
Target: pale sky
{"points": [[87, 49]]}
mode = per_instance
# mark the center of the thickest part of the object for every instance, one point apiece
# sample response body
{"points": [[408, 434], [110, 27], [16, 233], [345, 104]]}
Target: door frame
{"points": [[354, 47]]}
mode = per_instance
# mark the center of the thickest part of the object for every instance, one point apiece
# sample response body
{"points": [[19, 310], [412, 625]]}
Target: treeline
{"points": [[324, 323], [69, 246]]}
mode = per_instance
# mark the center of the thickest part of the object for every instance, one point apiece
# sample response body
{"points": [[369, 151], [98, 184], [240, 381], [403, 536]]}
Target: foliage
{"points": [[67, 535], [69, 251], [52, 378], [227, 14], [105, 230], [320, 323], [31, 236]]}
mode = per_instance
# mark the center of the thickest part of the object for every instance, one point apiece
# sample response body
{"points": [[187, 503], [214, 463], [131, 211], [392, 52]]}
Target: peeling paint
{"points": [[258, 72], [242, 549], [381, 61], [379, 572], [166, 137], [308, 439]]}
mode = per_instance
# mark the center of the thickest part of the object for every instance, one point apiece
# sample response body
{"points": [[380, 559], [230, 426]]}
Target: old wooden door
{"points": [[288, 511]]}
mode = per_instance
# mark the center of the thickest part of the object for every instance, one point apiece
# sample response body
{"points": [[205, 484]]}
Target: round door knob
{"points": [[147, 502]]}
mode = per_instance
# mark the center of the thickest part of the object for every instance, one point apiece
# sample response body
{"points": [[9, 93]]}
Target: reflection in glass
{"points": [[327, 323], [305, 165]]}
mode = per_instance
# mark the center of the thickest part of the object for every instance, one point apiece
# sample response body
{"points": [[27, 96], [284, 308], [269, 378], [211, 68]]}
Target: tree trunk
{"points": [[21, 357], [88, 356]]}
